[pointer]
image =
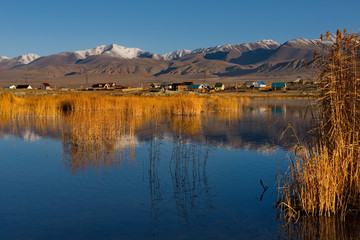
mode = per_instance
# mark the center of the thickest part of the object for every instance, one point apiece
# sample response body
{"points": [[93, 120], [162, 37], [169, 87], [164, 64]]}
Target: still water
{"points": [[102, 176]]}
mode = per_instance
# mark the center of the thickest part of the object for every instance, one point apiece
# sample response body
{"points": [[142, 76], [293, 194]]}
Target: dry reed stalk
{"points": [[325, 179]]}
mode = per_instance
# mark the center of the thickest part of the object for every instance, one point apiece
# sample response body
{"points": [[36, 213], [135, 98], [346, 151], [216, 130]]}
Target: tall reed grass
{"points": [[324, 178], [129, 105]]}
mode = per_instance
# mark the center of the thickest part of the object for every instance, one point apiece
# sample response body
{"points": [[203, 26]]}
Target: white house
{"points": [[11, 87], [45, 86]]}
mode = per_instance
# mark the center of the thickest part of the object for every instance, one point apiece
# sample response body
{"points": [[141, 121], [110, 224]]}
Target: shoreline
{"points": [[288, 94]]}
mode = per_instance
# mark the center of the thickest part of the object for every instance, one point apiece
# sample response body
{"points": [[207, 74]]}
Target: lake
{"points": [[99, 175]]}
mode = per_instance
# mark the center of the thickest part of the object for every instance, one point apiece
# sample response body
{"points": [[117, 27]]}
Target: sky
{"points": [[47, 27]]}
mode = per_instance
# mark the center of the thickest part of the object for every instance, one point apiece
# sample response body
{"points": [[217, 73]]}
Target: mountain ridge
{"points": [[262, 58]]}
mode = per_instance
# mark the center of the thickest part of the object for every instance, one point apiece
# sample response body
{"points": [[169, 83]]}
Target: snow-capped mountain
{"points": [[22, 59], [240, 48], [262, 57], [112, 50]]}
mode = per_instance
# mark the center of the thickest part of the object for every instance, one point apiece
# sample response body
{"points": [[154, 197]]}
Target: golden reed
{"points": [[129, 105], [324, 179]]}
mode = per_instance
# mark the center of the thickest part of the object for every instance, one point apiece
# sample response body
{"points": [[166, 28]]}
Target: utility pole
{"points": [[87, 79]]}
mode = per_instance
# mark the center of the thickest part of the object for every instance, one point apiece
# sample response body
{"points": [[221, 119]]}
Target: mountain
{"points": [[257, 59], [113, 50]]}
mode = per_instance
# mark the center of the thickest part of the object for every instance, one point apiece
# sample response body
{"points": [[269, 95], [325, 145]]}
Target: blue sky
{"points": [[161, 26]]}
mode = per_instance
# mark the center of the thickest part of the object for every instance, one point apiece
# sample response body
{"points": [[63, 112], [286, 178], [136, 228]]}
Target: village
{"points": [[246, 86]]}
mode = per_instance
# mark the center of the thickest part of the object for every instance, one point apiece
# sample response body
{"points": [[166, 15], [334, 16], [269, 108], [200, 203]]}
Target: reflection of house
{"points": [[278, 86], [23, 86], [10, 87], [219, 86], [45, 86]]}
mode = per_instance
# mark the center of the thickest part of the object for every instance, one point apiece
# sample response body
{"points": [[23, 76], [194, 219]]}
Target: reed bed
{"points": [[324, 177], [129, 105]]}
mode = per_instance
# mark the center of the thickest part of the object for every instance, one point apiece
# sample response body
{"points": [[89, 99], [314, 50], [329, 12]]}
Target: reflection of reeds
{"points": [[97, 139], [93, 126], [322, 228], [188, 172], [325, 179]]}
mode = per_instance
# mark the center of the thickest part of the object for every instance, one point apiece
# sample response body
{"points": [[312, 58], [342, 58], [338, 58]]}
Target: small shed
{"points": [[219, 86], [45, 86], [24, 86], [278, 86], [10, 86]]}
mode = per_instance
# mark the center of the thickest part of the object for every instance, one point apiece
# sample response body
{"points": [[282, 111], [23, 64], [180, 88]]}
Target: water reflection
{"points": [[101, 139], [322, 228], [97, 140], [189, 180], [176, 166]]}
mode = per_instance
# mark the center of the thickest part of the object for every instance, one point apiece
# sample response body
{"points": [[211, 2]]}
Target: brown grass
{"points": [[129, 105], [324, 179]]}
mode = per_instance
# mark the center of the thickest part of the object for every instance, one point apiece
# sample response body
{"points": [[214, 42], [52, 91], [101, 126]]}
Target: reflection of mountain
{"points": [[104, 138], [258, 128]]}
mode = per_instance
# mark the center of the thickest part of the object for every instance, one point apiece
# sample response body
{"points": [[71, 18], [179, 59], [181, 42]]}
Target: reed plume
{"points": [[324, 178]]}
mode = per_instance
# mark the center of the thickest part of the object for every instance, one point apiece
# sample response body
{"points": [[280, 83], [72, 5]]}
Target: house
{"points": [[45, 86], [177, 87], [25, 86], [165, 85], [193, 87], [204, 86], [219, 86], [255, 84], [249, 84], [260, 84], [155, 85], [188, 83], [10, 86], [103, 86], [278, 86], [198, 87]]}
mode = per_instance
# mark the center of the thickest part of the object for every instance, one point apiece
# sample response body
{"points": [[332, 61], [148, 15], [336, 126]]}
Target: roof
{"points": [[278, 85], [219, 84], [194, 86], [23, 86], [155, 84], [46, 84]]}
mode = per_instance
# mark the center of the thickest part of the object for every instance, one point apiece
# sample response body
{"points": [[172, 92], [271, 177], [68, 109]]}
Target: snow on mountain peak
{"points": [[23, 59], [113, 50], [3, 58]]}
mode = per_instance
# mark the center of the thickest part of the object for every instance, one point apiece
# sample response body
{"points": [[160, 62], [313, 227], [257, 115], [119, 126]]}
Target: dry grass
{"points": [[129, 105], [324, 179]]}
